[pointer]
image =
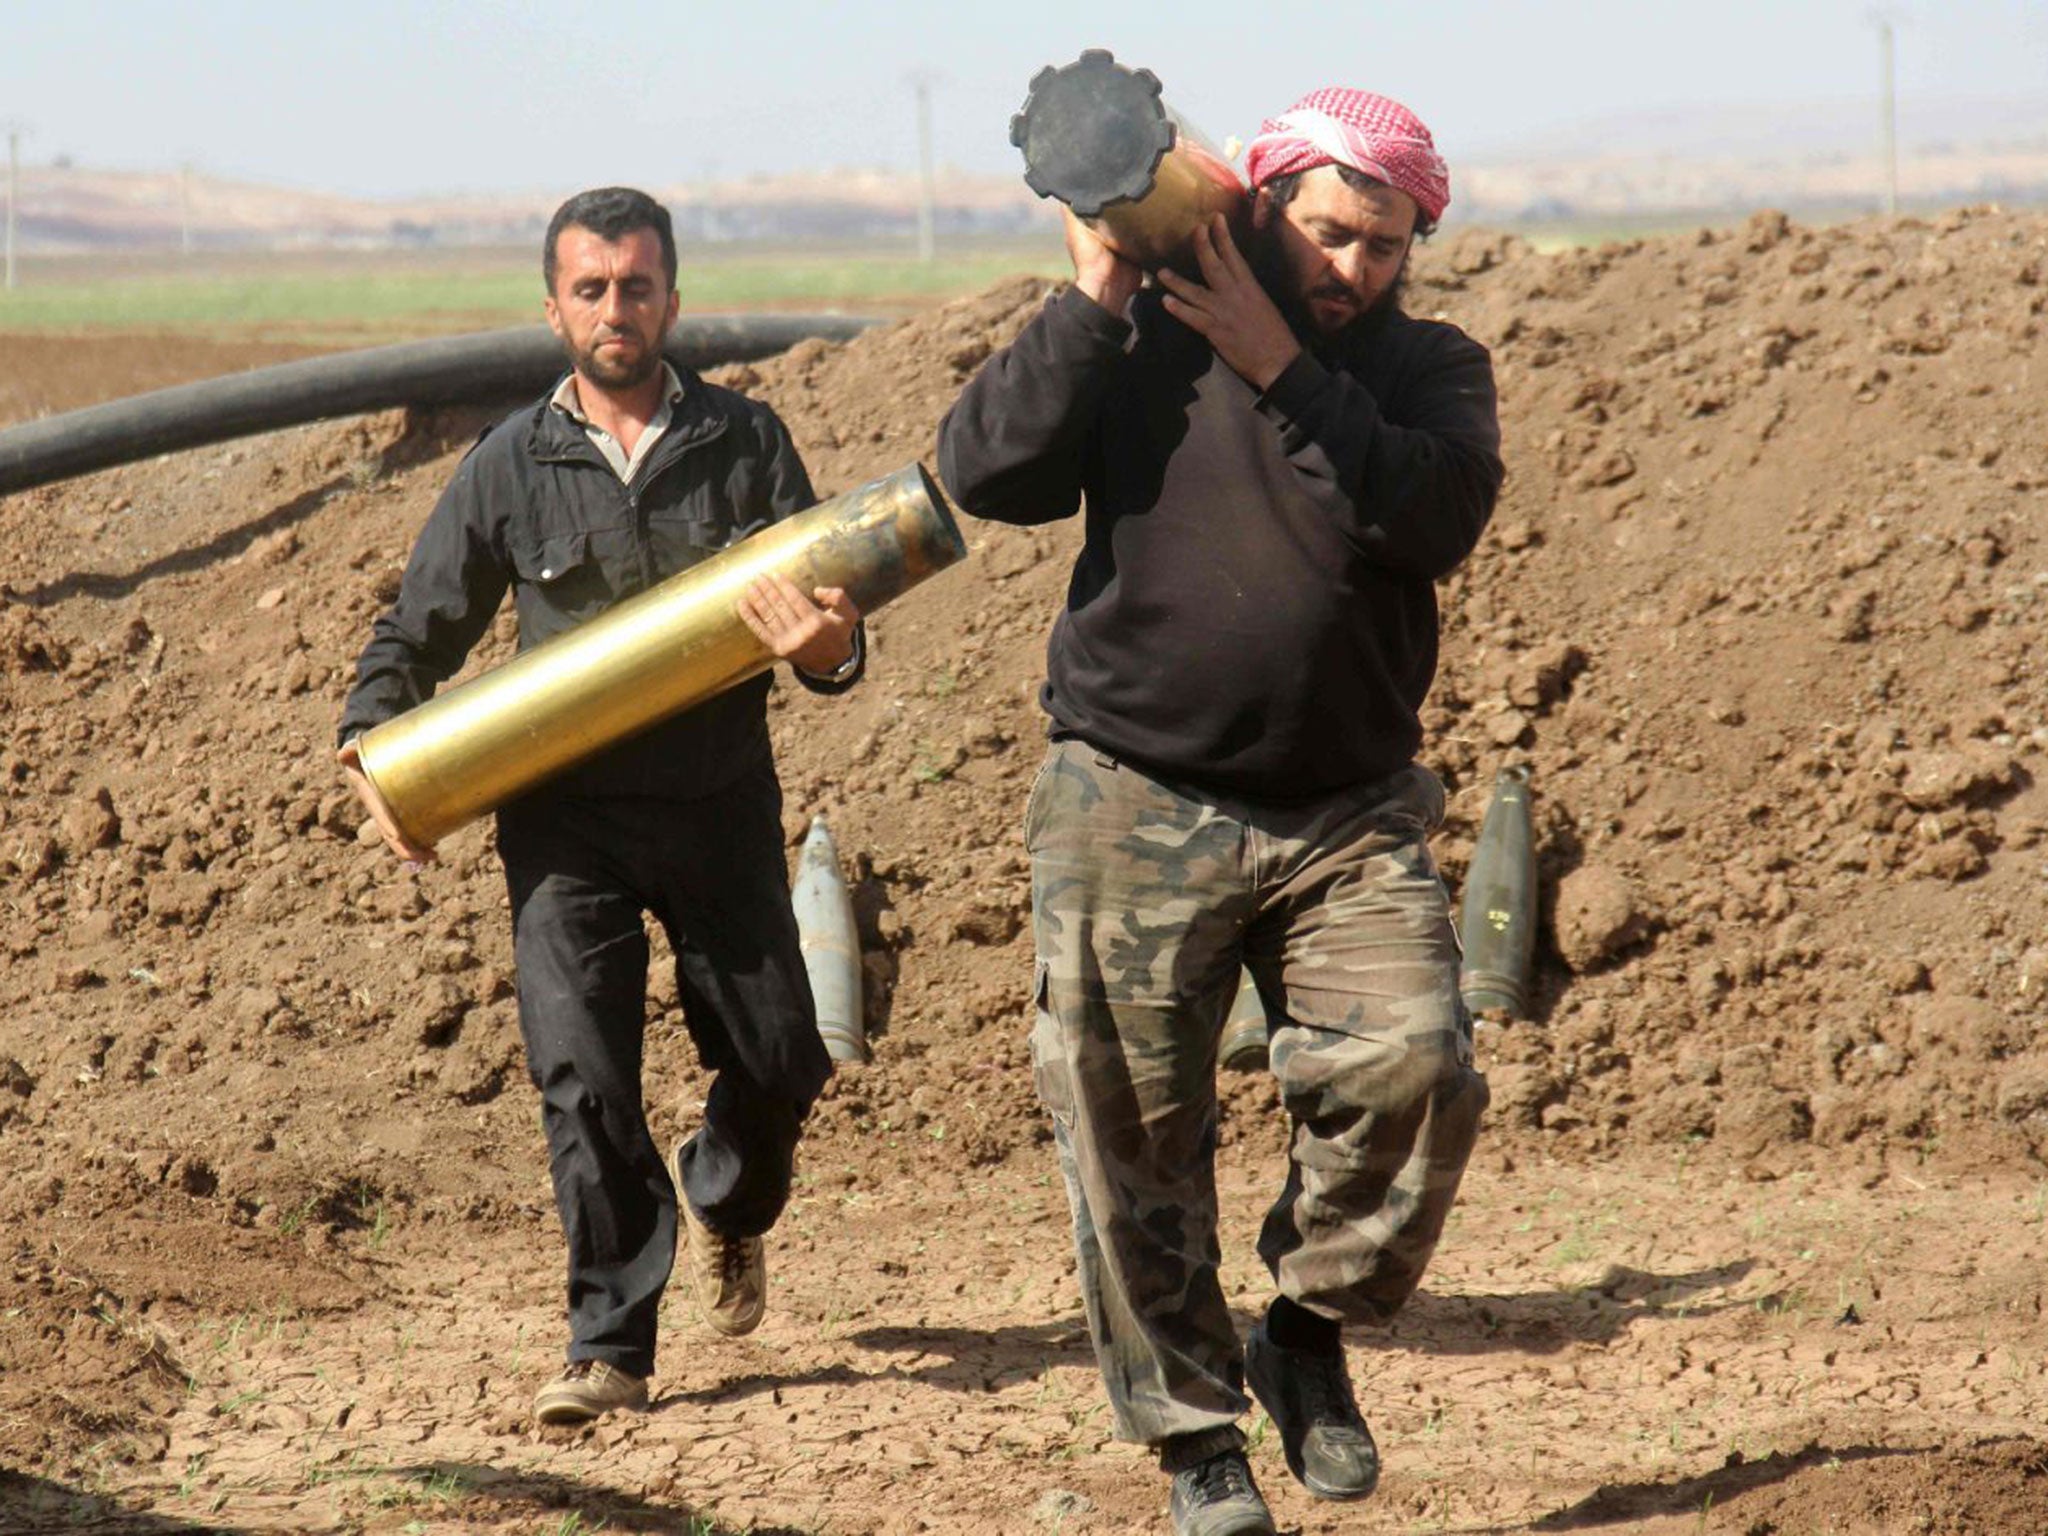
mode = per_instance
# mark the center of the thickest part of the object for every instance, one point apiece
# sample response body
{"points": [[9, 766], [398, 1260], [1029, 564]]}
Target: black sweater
{"points": [[1254, 609]]}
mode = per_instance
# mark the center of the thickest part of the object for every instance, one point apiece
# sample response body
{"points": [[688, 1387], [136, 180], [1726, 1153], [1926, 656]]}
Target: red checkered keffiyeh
{"points": [[1371, 134]]}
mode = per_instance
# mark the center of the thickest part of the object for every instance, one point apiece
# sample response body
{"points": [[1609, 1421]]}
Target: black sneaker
{"points": [[1217, 1497], [1329, 1449]]}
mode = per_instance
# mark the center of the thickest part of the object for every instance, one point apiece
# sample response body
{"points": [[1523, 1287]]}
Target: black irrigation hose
{"points": [[451, 370]]}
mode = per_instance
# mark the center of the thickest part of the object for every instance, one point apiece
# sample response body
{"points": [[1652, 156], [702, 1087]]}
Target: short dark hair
{"points": [[610, 213], [1281, 190]]}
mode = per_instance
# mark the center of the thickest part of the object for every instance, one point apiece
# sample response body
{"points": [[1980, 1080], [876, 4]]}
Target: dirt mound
{"points": [[1756, 610]]}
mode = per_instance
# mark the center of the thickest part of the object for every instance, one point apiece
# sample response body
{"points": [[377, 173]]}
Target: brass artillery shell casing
{"points": [[486, 741], [1193, 185], [1098, 137]]}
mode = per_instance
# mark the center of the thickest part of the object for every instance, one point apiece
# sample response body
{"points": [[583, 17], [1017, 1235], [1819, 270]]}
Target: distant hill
{"points": [[1578, 174], [73, 208], [1817, 156]]}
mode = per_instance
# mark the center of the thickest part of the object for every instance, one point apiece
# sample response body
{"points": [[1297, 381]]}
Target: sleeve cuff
{"points": [[1291, 395], [848, 672], [1075, 307]]}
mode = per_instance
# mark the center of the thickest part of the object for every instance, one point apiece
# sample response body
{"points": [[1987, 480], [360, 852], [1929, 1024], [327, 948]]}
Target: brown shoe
{"points": [[729, 1274], [587, 1389]]}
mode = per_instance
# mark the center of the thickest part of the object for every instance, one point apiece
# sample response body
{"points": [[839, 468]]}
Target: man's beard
{"points": [[594, 365], [1269, 264]]}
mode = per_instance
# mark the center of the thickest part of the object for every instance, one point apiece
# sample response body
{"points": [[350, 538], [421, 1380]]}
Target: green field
{"points": [[339, 298], [365, 296]]}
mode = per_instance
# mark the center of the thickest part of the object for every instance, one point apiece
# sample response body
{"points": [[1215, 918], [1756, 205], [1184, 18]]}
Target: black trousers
{"points": [[581, 874]]}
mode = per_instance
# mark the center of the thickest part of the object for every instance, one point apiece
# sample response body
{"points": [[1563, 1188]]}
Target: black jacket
{"points": [[534, 506], [1253, 610]]}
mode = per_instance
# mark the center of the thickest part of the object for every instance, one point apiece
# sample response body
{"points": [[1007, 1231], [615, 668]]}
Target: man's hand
{"points": [[814, 635], [352, 764], [1099, 272], [1232, 310]]}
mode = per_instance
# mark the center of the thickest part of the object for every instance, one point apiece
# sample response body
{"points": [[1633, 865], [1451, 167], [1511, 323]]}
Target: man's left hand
{"points": [[814, 633], [1230, 307]]}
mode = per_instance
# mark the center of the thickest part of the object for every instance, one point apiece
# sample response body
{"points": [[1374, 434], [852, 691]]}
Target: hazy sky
{"points": [[381, 98]]}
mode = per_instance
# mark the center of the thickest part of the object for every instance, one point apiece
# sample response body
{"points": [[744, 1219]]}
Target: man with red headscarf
{"points": [[1277, 465]]}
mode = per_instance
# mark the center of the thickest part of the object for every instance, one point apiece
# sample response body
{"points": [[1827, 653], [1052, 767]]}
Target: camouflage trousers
{"points": [[1146, 899]]}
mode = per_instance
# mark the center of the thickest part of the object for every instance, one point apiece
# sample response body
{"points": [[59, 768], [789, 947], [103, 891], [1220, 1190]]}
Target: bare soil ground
{"points": [[1754, 1243]]}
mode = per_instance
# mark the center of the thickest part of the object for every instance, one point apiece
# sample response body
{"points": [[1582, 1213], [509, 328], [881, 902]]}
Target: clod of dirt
{"points": [[1596, 917]]}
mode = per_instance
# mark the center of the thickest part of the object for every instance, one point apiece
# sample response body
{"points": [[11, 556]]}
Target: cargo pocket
{"points": [[1031, 796], [1049, 1072]]}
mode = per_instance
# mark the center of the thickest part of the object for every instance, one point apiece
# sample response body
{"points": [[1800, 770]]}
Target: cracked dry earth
{"points": [[1755, 1240]]}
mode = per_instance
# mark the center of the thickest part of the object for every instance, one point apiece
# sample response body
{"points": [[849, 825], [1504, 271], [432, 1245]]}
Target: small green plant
{"points": [[231, 1337], [241, 1400], [1694, 1140], [351, 1469], [1582, 1241]]}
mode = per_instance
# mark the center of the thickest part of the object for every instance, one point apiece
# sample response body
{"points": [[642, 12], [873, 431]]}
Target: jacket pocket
{"points": [[680, 542], [561, 583], [544, 562]]}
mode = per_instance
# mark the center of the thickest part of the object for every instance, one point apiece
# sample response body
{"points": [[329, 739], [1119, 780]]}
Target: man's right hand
{"points": [[352, 764], [1099, 272]]}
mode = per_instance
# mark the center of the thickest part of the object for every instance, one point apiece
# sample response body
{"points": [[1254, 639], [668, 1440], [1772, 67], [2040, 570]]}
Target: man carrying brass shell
{"points": [[1277, 465], [628, 472]]}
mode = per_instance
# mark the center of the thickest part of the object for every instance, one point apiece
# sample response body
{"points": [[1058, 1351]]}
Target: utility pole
{"points": [[13, 193], [927, 198], [1888, 110], [707, 220], [185, 209]]}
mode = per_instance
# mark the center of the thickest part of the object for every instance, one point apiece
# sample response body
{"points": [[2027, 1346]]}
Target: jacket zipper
{"points": [[669, 452]]}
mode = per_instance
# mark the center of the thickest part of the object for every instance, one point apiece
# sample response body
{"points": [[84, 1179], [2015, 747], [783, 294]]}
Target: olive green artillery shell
{"points": [[1499, 913]]}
